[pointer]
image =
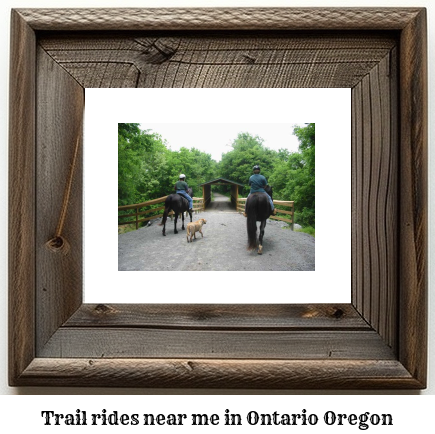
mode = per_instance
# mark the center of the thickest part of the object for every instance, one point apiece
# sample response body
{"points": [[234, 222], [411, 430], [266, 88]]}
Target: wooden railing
{"points": [[281, 213], [150, 210]]}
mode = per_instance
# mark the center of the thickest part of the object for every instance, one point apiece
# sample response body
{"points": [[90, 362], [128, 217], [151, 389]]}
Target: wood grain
{"points": [[252, 317], [413, 197], [21, 197], [227, 374], [94, 342], [236, 60], [59, 279], [220, 18], [377, 342], [375, 201]]}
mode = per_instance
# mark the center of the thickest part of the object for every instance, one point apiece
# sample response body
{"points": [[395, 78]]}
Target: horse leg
{"points": [[260, 238], [175, 222], [164, 226], [182, 220]]}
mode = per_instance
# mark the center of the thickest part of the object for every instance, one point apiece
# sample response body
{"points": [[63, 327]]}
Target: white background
{"points": [[329, 109], [412, 412]]}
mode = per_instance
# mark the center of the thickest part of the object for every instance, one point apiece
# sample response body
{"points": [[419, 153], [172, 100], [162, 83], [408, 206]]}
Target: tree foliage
{"points": [[142, 164], [148, 169], [294, 176], [247, 150]]}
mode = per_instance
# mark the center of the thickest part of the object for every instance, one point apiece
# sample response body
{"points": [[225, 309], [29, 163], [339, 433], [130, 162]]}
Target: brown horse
{"points": [[258, 209], [178, 204]]}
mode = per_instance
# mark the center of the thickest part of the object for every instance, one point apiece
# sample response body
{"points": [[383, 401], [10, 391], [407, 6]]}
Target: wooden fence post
{"points": [[293, 217], [137, 218]]}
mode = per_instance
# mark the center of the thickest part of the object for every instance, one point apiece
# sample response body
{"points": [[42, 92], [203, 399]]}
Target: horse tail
{"points": [[166, 212], [251, 225], [165, 216]]}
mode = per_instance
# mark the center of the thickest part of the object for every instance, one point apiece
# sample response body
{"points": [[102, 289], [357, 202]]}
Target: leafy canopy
{"points": [[148, 169]]}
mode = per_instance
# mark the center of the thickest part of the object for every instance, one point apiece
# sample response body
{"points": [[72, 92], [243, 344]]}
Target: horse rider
{"points": [[257, 183], [181, 189]]}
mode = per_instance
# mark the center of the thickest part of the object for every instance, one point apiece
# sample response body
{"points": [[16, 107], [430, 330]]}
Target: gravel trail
{"points": [[223, 247]]}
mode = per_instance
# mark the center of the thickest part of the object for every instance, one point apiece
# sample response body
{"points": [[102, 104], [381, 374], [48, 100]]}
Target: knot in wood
{"points": [[58, 244], [249, 59], [159, 51], [103, 309], [338, 313]]}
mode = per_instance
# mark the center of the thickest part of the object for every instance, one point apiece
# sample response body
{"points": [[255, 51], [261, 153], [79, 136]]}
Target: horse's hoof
{"points": [[260, 250]]}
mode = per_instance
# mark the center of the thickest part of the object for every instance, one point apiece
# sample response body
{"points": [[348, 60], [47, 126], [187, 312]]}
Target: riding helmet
{"points": [[182, 176], [256, 167]]}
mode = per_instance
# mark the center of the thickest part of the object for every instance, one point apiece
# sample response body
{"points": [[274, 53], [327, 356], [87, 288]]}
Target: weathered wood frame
{"points": [[377, 341]]}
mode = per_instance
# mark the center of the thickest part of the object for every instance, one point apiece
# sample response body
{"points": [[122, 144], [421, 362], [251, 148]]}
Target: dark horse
{"points": [[178, 204], [258, 209]]}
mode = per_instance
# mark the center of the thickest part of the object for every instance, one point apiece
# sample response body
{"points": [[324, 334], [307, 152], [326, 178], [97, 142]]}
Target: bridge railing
{"points": [[285, 215], [149, 210]]}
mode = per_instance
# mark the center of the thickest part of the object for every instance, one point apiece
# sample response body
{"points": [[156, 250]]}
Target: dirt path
{"points": [[222, 248], [220, 203]]}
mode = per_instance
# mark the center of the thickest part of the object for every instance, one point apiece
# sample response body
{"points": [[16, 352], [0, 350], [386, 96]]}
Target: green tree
{"points": [[142, 163], [147, 169], [247, 151], [129, 162], [294, 176]]}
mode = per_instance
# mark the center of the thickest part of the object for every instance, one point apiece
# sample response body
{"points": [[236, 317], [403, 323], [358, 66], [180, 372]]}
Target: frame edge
{"points": [[413, 206], [23, 364], [21, 197]]}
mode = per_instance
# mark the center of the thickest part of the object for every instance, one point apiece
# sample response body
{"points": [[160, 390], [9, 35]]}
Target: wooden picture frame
{"points": [[378, 341]]}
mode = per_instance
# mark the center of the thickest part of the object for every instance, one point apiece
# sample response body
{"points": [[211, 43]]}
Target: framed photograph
{"points": [[377, 341], [210, 265]]}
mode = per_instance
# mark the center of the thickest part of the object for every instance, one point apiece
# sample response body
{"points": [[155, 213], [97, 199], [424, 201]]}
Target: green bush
{"points": [[307, 230]]}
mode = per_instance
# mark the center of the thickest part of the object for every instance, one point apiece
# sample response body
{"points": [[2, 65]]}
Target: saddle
{"points": [[183, 199]]}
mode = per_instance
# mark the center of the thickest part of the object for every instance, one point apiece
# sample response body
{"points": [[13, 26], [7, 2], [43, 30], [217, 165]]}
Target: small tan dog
{"points": [[195, 227]]}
